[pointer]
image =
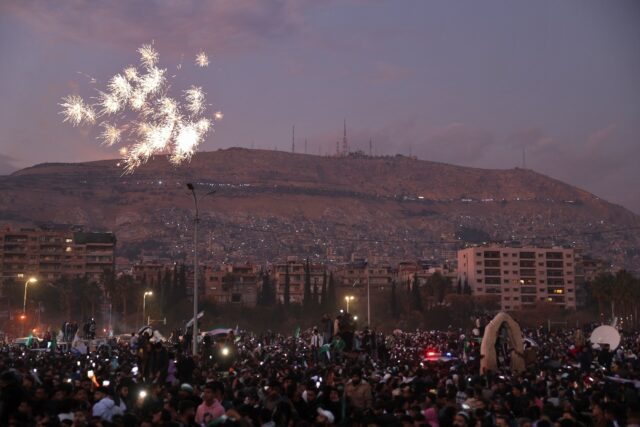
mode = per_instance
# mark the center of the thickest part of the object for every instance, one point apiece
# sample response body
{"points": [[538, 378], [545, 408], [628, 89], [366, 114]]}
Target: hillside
{"points": [[269, 204]]}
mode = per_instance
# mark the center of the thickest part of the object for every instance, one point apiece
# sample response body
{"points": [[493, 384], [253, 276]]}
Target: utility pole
{"points": [[305, 146], [370, 148], [293, 139]]}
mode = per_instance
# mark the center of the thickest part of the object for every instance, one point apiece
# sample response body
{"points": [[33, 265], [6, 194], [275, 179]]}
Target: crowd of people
{"points": [[334, 374]]}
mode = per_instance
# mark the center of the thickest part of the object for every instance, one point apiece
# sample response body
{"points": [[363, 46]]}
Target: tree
{"points": [[307, 286], [267, 294], [394, 301], [438, 285], [416, 298], [287, 286], [467, 289], [323, 295], [331, 292], [602, 288]]}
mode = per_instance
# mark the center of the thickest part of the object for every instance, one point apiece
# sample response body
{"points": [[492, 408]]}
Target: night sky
{"points": [[464, 82]]}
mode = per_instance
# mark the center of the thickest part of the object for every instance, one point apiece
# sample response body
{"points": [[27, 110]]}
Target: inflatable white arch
{"points": [[488, 357]]}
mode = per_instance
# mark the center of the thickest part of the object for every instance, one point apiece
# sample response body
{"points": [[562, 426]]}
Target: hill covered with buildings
{"points": [[270, 204]]}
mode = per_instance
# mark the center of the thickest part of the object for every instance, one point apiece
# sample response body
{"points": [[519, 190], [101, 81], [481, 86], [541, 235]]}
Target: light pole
{"points": [[191, 187], [347, 299], [24, 303], [368, 299], [144, 305]]}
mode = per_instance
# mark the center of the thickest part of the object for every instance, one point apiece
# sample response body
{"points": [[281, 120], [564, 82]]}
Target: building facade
{"points": [[520, 277], [232, 283], [50, 254]]}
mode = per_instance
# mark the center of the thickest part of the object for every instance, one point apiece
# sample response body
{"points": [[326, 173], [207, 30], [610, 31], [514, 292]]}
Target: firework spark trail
{"points": [[76, 111], [148, 55], [162, 124], [110, 135], [195, 100], [202, 60]]}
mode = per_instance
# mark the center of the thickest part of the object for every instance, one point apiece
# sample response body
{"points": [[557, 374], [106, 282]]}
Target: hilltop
{"points": [[270, 203]]}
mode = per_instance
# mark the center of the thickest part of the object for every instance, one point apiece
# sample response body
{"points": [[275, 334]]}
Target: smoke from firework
{"points": [[161, 124]]}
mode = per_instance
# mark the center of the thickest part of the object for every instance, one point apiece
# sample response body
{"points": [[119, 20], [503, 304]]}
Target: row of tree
{"points": [[616, 294]]}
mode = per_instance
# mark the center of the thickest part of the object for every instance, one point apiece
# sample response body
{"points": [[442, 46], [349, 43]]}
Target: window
{"points": [[492, 254], [492, 272], [479, 271], [492, 281], [506, 307], [516, 298], [514, 263], [507, 298], [528, 255], [479, 280], [505, 272], [479, 263], [505, 281]]}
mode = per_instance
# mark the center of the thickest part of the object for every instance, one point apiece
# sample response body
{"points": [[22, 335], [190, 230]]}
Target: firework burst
{"points": [[110, 135], [202, 60], [142, 113]]}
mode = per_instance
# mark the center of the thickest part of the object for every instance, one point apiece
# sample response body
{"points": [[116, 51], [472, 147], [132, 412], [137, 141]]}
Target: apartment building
{"points": [[51, 253], [354, 277], [296, 270], [232, 283], [521, 276]]}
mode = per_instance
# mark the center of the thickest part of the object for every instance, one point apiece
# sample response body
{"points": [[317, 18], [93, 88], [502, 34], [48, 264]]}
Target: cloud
{"points": [[6, 165], [600, 137], [215, 25]]}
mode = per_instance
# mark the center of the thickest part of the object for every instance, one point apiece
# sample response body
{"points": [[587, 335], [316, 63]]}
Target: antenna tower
{"points": [[345, 144]]}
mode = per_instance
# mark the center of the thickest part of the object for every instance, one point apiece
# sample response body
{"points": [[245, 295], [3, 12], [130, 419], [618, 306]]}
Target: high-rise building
{"points": [[51, 253], [520, 276]]}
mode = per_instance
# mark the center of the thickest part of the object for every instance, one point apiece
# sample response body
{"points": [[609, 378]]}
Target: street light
{"points": [[144, 305], [26, 285], [24, 303], [347, 299], [191, 187]]}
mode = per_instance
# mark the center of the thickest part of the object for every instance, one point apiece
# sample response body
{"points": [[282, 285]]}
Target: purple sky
{"points": [[463, 82]]}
